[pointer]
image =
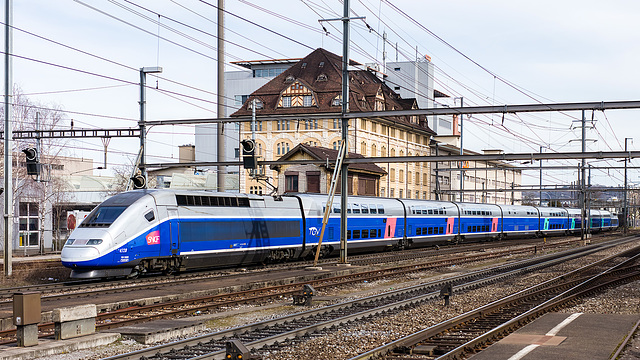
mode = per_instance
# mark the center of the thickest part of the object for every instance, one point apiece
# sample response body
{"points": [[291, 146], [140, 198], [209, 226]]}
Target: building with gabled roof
{"points": [[313, 86]]}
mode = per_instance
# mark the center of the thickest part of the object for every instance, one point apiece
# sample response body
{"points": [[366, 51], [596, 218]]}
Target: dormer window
{"points": [[322, 77], [290, 79], [321, 64], [304, 65], [337, 101], [296, 95]]}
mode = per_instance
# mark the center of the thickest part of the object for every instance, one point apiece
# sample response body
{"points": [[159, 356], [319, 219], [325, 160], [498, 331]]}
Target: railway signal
{"points": [[139, 182], [249, 160], [33, 163]]}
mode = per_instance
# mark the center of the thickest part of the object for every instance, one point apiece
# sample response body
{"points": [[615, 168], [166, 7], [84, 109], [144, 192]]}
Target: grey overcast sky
{"points": [[84, 56]]}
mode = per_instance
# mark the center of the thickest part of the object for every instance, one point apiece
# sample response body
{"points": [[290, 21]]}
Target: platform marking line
{"points": [[529, 348], [567, 321], [520, 354]]}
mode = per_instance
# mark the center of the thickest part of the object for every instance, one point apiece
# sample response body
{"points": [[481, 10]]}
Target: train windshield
{"points": [[103, 216]]}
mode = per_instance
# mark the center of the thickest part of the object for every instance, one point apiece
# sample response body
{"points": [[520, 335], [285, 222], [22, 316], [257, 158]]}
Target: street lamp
{"points": [[143, 114]]}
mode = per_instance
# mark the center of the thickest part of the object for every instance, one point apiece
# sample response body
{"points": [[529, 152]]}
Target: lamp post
{"points": [[625, 212], [143, 114]]}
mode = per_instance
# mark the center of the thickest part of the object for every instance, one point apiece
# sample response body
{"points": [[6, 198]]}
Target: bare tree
{"points": [[45, 192]]}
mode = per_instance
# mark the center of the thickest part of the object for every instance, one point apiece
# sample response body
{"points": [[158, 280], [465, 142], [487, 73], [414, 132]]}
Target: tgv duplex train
{"points": [[165, 230]]}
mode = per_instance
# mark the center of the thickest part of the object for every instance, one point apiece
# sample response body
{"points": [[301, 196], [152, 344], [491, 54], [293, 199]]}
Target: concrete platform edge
{"points": [[49, 347]]}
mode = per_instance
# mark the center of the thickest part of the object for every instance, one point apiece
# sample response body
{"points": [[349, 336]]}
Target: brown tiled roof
{"points": [[363, 85], [322, 153]]}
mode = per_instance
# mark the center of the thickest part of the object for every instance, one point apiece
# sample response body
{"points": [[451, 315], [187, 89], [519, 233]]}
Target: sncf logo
{"points": [[153, 238]]}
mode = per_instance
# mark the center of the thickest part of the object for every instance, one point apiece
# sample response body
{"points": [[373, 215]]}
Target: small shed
{"points": [[311, 178]]}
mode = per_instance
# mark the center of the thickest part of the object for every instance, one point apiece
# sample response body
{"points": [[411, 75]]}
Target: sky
{"points": [[84, 56]]}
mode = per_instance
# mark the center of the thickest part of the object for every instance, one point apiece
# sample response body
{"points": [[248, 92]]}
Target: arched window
{"points": [[383, 152], [374, 150], [393, 152], [363, 148]]}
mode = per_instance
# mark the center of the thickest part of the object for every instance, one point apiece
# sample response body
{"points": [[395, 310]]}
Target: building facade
{"points": [[313, 86]]}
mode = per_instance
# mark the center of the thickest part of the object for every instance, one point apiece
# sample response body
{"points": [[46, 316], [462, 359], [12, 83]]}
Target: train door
{"points": [[174, 230]]}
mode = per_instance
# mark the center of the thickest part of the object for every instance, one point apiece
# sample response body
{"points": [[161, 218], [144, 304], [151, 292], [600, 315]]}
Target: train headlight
{"points": [[94, 242], [69, 242]]}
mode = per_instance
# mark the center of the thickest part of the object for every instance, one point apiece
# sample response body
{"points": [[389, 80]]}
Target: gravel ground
{"points": [[350, 341]]}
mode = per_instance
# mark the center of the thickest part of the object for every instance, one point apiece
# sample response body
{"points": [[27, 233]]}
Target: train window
{"points": [[475, 229], [348, 234], [430, 231], [372, 233], [356, 208], [336, 209], [380, 209], [103, 216], [430, 212], [379, 233], [468, 228], [356, 234], [418, 231], [150, 216], [441, 230], [365, 209], [372, 209], [365, 234], [441, 211], [424, 211], [348, 208]]}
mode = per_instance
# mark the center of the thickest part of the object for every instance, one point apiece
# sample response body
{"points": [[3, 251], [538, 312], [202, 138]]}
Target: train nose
{"points": [[84, 253]]}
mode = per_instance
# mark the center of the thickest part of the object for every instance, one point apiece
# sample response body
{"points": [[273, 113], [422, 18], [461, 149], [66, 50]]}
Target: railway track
{"points": [[475, 330], [188, 307], [82, 288], [269, 336]]}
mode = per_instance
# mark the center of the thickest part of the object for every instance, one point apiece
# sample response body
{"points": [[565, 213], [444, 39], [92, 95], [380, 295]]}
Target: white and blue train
{"points": [[166, 230]]}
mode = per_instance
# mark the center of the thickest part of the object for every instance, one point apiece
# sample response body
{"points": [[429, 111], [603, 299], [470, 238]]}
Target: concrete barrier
{"points": [[75, 321]]}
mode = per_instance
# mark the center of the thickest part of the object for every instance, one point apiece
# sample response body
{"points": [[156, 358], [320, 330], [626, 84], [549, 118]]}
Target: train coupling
{"points": [[304, 298]]}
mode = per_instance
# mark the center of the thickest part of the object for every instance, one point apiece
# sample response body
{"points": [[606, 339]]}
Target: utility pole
{"points": [[625, 212], [143, 117], [589, 200], [345, 132], [220, 134], [8, 148], [541, 177], [437, 174], [344, 181], [461, 152], [584, 163]]}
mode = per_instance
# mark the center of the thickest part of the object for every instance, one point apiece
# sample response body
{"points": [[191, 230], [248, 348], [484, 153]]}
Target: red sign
{"points": [[153, 238]]}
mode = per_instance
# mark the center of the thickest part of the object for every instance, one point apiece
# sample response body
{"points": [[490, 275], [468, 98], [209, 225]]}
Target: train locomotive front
{"points": [[164, 230], [114, 237]]}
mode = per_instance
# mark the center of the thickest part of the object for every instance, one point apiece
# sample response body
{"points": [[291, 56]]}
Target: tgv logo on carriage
{"points": [[162, 230]]}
